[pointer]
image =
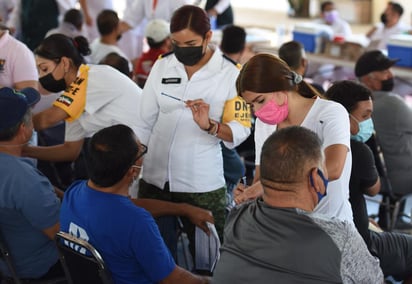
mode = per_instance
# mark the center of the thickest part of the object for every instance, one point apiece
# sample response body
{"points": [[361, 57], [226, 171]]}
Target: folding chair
{"points": [[81, 268], [391, 203], [6, 256]]}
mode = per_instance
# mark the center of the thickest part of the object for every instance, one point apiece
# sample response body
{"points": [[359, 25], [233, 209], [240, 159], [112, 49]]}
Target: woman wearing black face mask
{"points": [[189, 104], [93, 96]]}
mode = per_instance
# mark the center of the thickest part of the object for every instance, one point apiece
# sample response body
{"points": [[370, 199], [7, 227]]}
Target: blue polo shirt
{"points": [[28, 205], [126, 235]]}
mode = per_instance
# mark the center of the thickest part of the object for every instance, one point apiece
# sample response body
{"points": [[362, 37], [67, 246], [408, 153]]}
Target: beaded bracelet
{"points": [[217, 129]]}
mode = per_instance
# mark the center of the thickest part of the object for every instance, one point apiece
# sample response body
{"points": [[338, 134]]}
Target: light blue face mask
{"points": [[365, 130]]}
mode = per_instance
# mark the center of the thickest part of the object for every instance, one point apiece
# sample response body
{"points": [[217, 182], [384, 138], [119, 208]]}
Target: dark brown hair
{"points": [[55, 46], [266, 73], [190, 17]]}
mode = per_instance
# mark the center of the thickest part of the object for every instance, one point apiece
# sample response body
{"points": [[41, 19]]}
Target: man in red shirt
{"points": [[157, 35]]}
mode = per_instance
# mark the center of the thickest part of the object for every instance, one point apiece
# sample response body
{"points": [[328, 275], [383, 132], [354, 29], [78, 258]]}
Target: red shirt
{"points": [[146, 61]]}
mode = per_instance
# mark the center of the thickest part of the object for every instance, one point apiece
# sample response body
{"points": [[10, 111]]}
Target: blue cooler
{"points": [[400, 46], [311, 36]]}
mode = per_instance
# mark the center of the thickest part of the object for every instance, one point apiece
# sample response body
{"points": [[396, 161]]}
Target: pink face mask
{"points": [[271, 113], [331, 16]]}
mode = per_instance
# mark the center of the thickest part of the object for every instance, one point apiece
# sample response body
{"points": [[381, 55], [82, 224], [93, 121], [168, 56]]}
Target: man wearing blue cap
{"points": [[29, 207]]}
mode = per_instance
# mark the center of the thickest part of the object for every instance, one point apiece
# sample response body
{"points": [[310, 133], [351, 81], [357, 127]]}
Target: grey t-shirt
{"points": [[392, 119], [264, 244]]}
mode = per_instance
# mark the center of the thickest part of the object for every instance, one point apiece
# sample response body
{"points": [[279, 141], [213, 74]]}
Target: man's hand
{"points": [[199, 216]]}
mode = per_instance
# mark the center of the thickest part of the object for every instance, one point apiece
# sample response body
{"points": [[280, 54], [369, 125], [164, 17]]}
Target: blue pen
{"points": [[173, 97]]}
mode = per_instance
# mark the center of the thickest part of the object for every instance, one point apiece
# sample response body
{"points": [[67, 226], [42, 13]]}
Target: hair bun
{"points": [[82, 45]]}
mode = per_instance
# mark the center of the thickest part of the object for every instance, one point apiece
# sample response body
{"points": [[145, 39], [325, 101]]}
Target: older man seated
{"points": [[279, 237]]}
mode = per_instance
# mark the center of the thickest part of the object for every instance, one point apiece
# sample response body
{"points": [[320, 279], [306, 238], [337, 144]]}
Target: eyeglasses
{"points": [[142, 151]]}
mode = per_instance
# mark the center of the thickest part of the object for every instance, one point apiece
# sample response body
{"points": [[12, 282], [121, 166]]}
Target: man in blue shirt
{"points": [[100, 211], [29, 207]]}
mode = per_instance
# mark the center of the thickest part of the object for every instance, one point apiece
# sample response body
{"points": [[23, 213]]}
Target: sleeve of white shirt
{"points": [[347, 31], [149, 107], [239, 133], [336, 126], [221, 6], [74, 131]]}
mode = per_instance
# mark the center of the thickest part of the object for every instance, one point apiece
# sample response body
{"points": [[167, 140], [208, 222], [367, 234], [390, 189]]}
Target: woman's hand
{"points": [[242, 193], [200, 112]]}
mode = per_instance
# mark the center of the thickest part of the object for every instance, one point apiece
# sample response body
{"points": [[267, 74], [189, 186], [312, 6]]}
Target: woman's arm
{"points": [[69, 151], [49, 117], [335, 158]]}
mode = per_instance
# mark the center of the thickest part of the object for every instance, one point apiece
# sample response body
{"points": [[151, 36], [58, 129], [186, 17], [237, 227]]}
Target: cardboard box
{"points": [[344, 50], [400, 46]]}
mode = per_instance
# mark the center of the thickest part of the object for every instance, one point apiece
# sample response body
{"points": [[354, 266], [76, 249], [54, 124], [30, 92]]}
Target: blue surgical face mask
{"points": [[325, 183], [365, 130]]}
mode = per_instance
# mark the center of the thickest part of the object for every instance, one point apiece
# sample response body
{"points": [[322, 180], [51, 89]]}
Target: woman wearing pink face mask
{"points": [[280, 98]]}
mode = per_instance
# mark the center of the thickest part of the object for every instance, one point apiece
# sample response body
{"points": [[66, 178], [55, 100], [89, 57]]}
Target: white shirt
{"points": [[338, 28], [94, 7], [17, 62], [111, 98], [143, 9], [330, 121], [379, 39], [100, 50], [67, 29], [178, 150]]}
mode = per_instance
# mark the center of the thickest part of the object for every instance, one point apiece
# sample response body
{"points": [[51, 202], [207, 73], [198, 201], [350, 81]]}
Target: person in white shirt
{"points": [[91, 8], [330, 16], [109, 29], [71, 26], [17, 65], [281, 98], [136, 16], [390, 25], [94, 97], [189, 105]]}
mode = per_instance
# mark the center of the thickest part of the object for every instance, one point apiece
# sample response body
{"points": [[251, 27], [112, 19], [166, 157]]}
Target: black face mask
{"points": [[52, 85], [384, 20], [387, 85], [188, 56]]}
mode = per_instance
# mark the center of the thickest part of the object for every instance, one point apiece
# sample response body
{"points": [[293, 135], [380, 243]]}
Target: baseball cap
{"points": [[372, 61], [14, 105], [157, 30]]}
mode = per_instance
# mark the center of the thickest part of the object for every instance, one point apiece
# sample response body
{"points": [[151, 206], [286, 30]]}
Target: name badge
{"points": [[171, 80]]}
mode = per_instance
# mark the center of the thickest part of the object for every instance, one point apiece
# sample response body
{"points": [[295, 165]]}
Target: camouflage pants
{"points": [[215, 201]]}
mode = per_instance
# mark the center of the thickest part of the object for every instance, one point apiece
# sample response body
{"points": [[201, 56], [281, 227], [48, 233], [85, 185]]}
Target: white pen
{"points": [[172, 97], [244, 181]]}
